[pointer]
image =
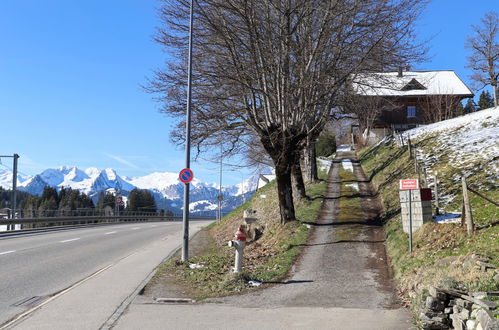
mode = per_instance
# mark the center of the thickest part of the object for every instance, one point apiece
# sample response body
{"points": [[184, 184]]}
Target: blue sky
{"points": [[70, 76]]}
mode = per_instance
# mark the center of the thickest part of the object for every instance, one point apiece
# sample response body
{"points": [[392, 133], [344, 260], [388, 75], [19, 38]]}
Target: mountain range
{"points": [[165, 186]]}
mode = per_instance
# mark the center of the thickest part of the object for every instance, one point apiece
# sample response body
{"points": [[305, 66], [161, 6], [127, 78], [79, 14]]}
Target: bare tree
{"points": [[274, 68], [438, 107], [484, 45], [366, 109]]}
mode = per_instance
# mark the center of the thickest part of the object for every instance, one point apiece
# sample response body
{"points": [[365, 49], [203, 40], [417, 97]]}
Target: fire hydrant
{"points": [[239, 242]]}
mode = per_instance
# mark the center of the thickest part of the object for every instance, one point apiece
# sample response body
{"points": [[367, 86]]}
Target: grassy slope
{"points": [[269, 258], [434, 243]]}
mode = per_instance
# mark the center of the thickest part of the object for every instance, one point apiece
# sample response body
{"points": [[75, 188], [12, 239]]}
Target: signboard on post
{"points": [[186, 175], [409, 184]]}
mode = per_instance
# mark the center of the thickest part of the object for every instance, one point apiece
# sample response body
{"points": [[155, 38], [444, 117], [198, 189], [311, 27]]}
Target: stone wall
{"points": [[453, 309]]}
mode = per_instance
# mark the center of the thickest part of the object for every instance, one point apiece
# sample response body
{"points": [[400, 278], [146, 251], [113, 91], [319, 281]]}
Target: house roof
{"points": [[412, 83]]}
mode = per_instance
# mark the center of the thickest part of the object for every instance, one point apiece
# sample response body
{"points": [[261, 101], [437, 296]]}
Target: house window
{"points": [[411, 111]]}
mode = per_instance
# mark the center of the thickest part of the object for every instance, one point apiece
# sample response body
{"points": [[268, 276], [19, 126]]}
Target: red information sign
{"points": [[408, 184], [186, 175]]}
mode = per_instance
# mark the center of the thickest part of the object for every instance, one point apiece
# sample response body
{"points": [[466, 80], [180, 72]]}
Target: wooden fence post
{"points": [[409, 146], [437, 209], [467, 207]]}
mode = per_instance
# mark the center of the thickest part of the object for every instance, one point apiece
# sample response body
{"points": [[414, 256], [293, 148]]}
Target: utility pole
{"points": [[185, 220], [14, 185], [220, 195]]}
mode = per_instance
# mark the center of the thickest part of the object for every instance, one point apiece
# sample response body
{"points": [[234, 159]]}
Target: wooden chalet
{"points": [[404, 100]]}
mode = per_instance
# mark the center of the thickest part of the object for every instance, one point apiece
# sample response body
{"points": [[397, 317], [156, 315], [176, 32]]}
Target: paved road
{"points": [[43, 264]]}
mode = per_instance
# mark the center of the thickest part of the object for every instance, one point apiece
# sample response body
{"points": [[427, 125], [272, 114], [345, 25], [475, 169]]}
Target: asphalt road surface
{"points": [[35, 266]]}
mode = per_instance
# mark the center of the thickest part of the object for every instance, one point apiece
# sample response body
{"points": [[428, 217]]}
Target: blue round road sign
{"points": [[186, 175]]}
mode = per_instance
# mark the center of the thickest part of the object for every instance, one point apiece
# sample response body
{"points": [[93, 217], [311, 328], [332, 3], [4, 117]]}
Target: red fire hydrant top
{"points": [[240, 234]]}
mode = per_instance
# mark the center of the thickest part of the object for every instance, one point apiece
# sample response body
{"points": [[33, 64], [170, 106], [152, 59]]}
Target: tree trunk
{"points": [[312, 156], [310, 161], [285, 191], [298, 184], [496, 91], [282, 150]]}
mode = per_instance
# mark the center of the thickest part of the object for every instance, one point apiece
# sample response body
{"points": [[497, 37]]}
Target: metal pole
{"points": [[220, 196], [410, 220], [185, 220], [14, 187]]}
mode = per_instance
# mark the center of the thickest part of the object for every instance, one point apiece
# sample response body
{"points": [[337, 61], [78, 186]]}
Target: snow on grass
{"points": [[344, 147], [347, 165], [324, 164], [354, 186], [447, 218], [464, 139]]}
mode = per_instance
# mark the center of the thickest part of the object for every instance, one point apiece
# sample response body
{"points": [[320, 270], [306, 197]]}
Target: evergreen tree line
{"points": [[69, 201], [6, 197], [485, 101], [52, 203]]}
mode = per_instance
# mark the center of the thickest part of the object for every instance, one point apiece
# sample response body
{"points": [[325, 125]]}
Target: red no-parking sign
{"points": [[186, 175], [409, 184]]}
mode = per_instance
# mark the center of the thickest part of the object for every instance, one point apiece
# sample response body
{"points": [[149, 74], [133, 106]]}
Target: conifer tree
{"points": [[459, 109], [469, 107], [105, 199], [485, 101], [49, 192]]}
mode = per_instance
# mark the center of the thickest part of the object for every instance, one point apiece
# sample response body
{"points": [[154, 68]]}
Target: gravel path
{"points": [[335, 270]]}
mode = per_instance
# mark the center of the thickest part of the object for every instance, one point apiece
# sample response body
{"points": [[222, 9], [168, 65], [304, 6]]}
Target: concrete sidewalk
{"points": [[98, 301], [215, 316]]}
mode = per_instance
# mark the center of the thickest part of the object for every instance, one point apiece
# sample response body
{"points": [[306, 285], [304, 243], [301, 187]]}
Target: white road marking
{"points": [[153, 226], [70, 240], [111, 232], [7, 252], [135, 228]]}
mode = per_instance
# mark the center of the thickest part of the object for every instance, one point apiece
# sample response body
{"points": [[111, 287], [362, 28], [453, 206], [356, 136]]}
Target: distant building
{"points": [[400, 100]]}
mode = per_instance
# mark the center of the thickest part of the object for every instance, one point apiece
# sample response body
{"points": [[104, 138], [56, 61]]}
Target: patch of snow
{"points": [[344, 147], [354, 185], [324, 164], [347, 165], [195, 266], [203, 205], [254, 283], [447, 218], [262, 183]]}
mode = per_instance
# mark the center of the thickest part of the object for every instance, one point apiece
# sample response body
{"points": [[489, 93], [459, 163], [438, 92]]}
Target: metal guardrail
{"points": [[61, 221]]}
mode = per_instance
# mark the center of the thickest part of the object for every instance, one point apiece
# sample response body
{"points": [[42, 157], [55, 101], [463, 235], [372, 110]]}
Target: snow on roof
{"points": [[412, 83]]}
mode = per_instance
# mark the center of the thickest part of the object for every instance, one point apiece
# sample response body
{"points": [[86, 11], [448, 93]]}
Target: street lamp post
{"points": [[185, 220], [14, 185]]}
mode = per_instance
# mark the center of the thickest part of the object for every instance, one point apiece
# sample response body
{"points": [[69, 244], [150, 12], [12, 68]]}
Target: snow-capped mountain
{"points": [[165, 187], [6, 178]]}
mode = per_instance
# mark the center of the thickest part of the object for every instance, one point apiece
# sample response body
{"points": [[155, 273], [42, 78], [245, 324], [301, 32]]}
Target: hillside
{"points": [[443, 252]]}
